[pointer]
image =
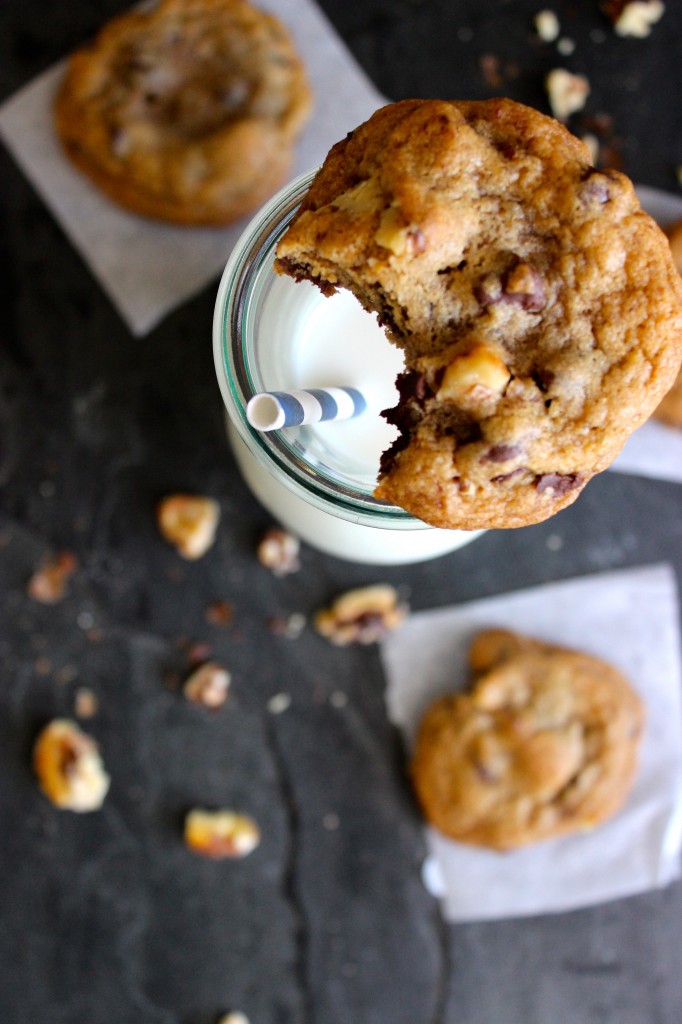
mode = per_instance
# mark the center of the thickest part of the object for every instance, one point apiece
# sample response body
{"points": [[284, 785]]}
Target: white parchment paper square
{"points": [[146, 267], [629, 618]]}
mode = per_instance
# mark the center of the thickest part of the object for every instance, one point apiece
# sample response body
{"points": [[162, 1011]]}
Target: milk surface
{"points": [[317, 341]]}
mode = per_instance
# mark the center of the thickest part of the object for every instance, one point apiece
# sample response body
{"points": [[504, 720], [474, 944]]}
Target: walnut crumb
{"points": [[634, 18], [547, 26], [567, 93], [219, 834], [188, 522], [85, 703], [208, 685], [69, 767], [235, 1017], [363, 616], [48, 582], [278, 551]]}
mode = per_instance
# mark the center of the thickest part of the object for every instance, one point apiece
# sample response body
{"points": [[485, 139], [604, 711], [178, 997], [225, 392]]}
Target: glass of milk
{"points": [[272, 334]]}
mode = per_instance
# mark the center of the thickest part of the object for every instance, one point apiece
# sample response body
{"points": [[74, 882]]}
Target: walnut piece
{"points": [[69, 767], [634, 17], [208, 685], [363, 616], [475, 377], [547, 26], [48, 582], [279, 551], [188, 522], [567, 93], [219, 834]]}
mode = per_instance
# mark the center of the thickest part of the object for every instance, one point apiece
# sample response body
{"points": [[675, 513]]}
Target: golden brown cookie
{"points": [[537, 305], [187, 112], [544, 743]]}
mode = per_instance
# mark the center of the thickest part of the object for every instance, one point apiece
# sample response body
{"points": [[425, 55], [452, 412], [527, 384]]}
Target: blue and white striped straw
{"points": [[272, 410]]}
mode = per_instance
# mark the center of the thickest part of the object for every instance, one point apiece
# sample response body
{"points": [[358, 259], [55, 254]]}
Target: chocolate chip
{"points": [[502, 452], [558, 483]]}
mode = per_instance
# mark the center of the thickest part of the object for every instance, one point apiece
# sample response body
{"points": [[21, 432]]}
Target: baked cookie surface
{"points": [[187, 112], [545, 743], [537, 306]]}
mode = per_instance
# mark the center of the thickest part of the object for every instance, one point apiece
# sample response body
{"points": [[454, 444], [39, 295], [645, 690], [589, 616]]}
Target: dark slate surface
{"points": [[106, 918]]}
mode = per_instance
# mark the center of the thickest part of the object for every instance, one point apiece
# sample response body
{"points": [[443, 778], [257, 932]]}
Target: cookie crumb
{"points": [[566, 46], [219, 834], [86, 704], [188, 522], [289, 626], [567, 93], [278, 551], [279, 703], [69, 768], [592, 143], [235, 1017], [634, 18], [48, 583], [219, 613], [547, 26], [208, 685], [364, 615]]}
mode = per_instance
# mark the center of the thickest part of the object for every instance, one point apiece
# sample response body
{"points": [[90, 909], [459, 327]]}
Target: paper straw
{"points": [[272, 410]]}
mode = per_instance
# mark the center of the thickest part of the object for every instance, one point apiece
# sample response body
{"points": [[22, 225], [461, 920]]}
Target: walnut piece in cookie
{"points": [[361, 616], [188, 522], [633, 17], [218, 834], [544, 743], [208, 684], [185, 110], [278, 550], [48, 583], [69, 768]]}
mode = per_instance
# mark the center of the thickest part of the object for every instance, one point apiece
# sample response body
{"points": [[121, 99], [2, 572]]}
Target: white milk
{"points": [[333, 342]]}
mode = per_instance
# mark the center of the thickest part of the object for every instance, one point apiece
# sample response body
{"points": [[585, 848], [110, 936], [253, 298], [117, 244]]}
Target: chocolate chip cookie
{"points": [[187, 112], [545, 743], [536, 304]]}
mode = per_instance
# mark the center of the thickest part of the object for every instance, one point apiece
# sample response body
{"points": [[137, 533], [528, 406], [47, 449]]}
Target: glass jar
{"points": [[270, 333]]}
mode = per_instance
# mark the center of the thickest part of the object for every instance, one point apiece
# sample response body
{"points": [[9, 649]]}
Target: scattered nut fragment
{"points": [[48, 582], [634, 17], [547, 26], [69, 767], [188, 522], [592, 143], [236, 1017], [279, 703], [208, 685], [289, 626], [567, 93], [85, 703], [219, 613], [361, 616], [278, 551], [218, 834], [566, 46]]}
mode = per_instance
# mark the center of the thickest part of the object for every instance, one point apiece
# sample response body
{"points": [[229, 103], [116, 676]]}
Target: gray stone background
{"points": [[106, 918]]}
